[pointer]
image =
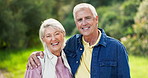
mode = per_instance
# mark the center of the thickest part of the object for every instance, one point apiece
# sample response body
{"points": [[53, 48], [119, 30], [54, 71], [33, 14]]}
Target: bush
{"points": [[117, 19], [69, 24], [20, 22], [138, 43]]}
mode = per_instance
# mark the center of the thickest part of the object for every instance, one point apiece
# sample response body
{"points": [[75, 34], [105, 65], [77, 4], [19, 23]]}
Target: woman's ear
{"points": [[43, 39]]}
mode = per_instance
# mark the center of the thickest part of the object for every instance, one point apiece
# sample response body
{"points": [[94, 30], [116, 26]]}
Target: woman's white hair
{"points": [[84, 5], [50, 23]]}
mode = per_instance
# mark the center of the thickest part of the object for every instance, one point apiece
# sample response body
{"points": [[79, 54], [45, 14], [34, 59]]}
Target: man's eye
{"points": [[79, 20], [88, 17]]}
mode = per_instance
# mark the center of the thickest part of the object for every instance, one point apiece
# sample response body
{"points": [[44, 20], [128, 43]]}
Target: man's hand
{"points": [[33, 61]]}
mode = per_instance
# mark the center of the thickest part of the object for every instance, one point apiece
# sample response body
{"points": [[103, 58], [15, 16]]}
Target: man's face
{"points": [[86, 22]]}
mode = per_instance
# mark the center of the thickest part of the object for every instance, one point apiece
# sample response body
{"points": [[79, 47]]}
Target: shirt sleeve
{"points": [[34, 73], [123, 66]]}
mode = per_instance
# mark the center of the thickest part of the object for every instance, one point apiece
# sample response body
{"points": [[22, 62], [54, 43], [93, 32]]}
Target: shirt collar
{"points": [[86, 43], [102, 38], [53, 57]]}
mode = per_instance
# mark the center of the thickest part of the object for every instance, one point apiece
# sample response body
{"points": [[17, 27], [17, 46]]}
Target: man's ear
{"points": [[97, 18]]}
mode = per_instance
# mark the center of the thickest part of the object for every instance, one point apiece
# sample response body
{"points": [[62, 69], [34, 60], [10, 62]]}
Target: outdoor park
{"points": [[124, 20]]}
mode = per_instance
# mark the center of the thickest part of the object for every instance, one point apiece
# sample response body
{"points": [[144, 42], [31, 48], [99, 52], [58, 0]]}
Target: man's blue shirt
{"points": [[109, 57]]}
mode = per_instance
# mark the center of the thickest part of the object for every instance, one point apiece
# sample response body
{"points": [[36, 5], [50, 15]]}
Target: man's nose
{"points": [[84, 22]]}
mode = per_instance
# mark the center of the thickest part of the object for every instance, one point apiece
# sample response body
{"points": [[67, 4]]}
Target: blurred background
{"points": [[125, 20]]}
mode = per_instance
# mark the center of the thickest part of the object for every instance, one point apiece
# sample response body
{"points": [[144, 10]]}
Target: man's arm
{"points": [[123, 66], [33, 61]]}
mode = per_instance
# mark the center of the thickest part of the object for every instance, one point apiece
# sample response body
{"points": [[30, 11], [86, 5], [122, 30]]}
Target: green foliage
{"points": [[20, 22], [138, 43], [97, 3], [69, 24], [129, 8], [12, 28], [109, 20], [75, 31], [117, 19], [128, 11]]}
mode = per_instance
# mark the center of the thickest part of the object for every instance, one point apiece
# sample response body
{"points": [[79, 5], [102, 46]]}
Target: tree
{"points": [[20, 21], [138, 43], [117, 19]]}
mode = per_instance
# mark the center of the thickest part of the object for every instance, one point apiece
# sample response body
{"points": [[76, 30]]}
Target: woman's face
{"points": [[54, 40]]}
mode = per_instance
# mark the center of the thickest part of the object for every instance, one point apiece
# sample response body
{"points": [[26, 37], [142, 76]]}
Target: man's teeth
{"points": [[55, 44]]}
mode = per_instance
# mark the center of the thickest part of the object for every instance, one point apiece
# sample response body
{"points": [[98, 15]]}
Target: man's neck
{"points": [[91, 39]]}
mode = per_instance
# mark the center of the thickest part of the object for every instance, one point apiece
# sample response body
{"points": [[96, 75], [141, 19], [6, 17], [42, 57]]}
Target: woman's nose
{"points": [[53, 38]]}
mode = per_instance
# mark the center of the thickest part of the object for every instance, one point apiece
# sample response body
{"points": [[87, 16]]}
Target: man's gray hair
{"points": [[84, 5]]}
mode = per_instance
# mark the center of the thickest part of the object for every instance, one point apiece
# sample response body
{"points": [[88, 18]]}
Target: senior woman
{"points": [[54, 64]]}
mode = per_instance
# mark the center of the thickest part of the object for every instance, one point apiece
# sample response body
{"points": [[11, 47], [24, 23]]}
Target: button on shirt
{"points": [[85, 62]]}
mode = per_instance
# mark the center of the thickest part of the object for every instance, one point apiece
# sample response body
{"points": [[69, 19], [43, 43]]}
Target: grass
{"points": [[138, 66], [13, 63]]}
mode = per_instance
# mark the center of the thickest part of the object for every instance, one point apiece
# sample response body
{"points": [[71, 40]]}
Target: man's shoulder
{"points": [[71, 43], [74, 38], [107, 40], [113, 41]]}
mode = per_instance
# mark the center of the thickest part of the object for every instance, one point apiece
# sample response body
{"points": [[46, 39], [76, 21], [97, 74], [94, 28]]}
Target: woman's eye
{"points": [[57, 33], [48, 36]]}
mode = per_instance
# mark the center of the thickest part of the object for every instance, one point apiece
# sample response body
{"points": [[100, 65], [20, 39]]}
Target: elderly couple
{"points": [[90, 54]]}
